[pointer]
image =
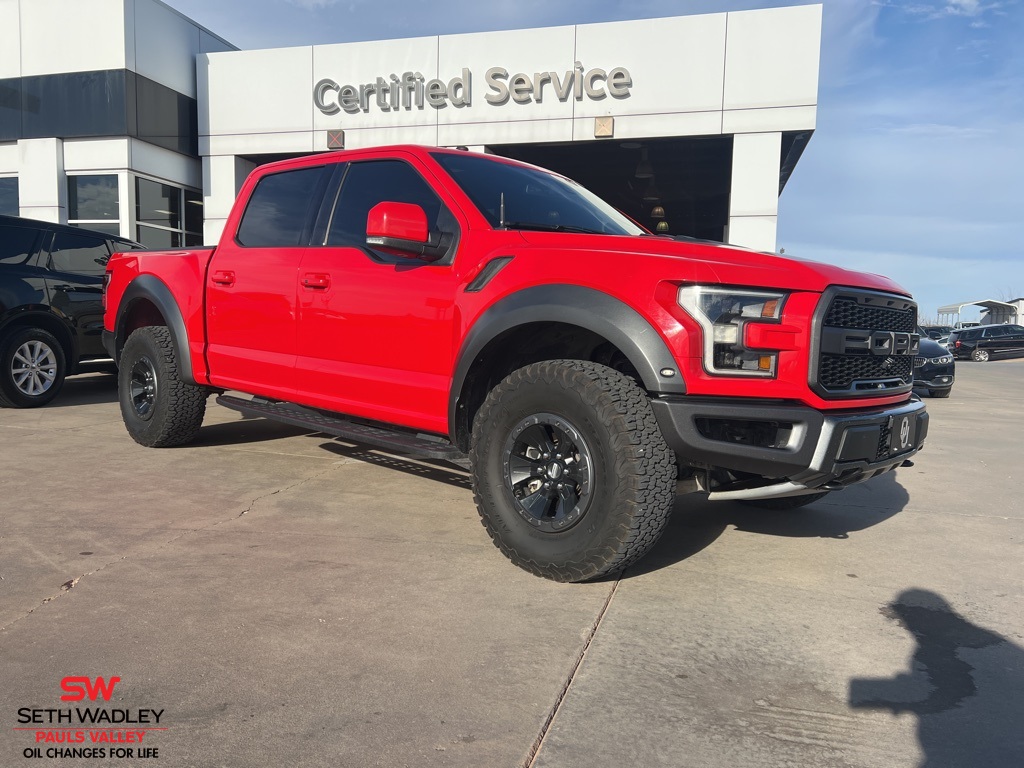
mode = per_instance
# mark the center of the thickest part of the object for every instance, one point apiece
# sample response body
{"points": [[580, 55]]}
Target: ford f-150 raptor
{"points": [[454, 305]]}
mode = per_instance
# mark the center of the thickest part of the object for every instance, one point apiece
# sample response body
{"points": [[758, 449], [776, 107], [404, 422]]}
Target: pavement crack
{"points": [[66, 587], [531, 756]]}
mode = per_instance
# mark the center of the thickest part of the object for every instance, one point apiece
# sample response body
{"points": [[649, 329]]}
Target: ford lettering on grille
{"points": [[866, 344]]}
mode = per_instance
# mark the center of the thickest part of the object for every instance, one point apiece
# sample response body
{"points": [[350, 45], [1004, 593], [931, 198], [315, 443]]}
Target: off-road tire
{"points": [[631, 485], [786, 502], [940, 392], [170, 411], [21, 349]]}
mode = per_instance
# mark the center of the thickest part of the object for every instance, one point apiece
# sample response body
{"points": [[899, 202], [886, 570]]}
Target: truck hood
{"points": [[731, 264]]}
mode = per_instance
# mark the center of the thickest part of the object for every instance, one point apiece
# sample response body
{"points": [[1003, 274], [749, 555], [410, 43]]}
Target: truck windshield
{"points": [[519, 197]]}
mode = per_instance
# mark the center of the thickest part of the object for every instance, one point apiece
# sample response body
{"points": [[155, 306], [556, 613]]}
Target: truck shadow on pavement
{"points": [[964, 685], [254, 430], [244, 430], [87, 389], [696, 522]]}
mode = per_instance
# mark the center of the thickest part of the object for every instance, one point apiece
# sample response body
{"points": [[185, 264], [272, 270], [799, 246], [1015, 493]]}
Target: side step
{"points": [[380, 437]]}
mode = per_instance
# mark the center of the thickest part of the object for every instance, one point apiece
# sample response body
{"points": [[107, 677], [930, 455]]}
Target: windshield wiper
{"points": [[547, 227]]}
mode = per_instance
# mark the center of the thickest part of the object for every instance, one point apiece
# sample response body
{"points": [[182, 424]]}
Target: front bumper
{"points": [[789, 449], [938, 381]]}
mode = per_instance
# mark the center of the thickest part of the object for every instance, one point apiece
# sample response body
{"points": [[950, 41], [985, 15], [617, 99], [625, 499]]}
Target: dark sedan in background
{"points": [[934, 368], [984, 342]]}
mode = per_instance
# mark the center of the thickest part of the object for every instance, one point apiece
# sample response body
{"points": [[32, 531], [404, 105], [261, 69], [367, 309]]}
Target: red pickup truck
{"points": [[452, 305]]}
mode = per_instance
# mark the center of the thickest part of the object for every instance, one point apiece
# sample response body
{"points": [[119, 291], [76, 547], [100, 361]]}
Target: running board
{"points": [[379, 437]]}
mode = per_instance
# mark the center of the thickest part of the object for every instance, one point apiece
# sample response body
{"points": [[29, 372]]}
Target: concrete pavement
{"points": [[287, 599]]}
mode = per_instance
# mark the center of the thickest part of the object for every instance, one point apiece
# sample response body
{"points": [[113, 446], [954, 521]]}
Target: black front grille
{"points": [[866, 344], [842, 372], [845, 312]]}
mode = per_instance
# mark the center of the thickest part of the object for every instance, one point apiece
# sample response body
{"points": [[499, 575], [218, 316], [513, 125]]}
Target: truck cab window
{"points": [[279, 209], [369, 183]]}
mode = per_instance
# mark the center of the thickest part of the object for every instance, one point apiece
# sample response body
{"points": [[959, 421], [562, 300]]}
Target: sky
{"points": [[915, 171]]}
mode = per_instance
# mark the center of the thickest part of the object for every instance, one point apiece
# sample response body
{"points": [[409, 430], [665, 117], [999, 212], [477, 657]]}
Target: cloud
{"points": [[312, 5], [941, 130], [966, 8]]}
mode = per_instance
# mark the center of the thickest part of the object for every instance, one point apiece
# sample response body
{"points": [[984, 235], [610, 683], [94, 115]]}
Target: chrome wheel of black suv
{"points": [[33, 368]]}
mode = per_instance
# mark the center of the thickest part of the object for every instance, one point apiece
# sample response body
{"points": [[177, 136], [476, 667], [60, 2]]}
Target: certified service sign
{"points": [[412, 91]]}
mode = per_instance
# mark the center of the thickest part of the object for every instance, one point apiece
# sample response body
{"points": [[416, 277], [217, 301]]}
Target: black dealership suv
{"points": [[51, 283], [986, 341]]}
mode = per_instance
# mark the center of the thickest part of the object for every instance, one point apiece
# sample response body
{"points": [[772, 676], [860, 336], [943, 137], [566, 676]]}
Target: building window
{"points": [[167, 216], [94, 203], [9, 205]]}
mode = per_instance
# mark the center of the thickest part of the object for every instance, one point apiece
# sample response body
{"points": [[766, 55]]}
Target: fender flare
{"points": [[577, 305], [155, 290]]}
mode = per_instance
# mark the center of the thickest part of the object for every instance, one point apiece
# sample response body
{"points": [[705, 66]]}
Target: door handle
{"points": [[224, 277], [317, 281], [63, 287]]}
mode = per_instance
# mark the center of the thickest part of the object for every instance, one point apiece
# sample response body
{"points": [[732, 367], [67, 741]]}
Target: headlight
{"points": [[723, 314], [944, 360]]}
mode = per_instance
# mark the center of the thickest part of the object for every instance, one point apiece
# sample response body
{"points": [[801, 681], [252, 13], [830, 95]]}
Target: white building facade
{"points": [[691, 124], [99, 118]]}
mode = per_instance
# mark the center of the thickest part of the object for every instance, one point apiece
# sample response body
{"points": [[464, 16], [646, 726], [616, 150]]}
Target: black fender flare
{"points": [[155, 290], [576, 305]]}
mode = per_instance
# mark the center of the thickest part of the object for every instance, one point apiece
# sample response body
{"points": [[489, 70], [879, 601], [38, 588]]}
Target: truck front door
{"points": [[376, 330]]}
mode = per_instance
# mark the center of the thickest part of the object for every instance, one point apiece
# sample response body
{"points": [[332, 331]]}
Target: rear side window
{"points": [[280, 208], [79, 254], [369, 183], [17, 244]]}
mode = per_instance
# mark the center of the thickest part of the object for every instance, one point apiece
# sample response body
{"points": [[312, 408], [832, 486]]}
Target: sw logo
{"points": [[78, 688]]}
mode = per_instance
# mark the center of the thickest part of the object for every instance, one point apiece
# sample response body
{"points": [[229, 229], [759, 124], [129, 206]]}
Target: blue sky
{"points": [[916, 169]]}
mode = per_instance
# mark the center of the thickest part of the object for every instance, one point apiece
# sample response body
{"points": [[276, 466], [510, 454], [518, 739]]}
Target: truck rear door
{"points": [[251, 285]]}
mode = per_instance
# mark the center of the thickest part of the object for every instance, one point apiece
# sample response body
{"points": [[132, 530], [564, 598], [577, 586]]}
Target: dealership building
{"points": [[126, 116]]}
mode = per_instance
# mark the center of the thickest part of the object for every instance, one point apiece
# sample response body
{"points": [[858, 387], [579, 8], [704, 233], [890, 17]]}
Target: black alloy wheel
{"points": [[548, 470], [143, 387], [571, 474], [159, 408]]}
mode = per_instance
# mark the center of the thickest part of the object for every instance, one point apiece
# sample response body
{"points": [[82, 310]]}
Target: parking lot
{"points": [[285, 599]]}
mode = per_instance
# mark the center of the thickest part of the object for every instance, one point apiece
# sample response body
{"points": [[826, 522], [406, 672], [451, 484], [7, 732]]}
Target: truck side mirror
{"points": [[400, 228]]}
